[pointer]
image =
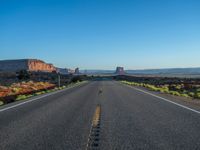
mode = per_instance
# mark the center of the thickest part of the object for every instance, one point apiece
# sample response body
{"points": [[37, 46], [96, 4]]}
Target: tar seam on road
{"points": [[93, 139], [167, 100], [28, 101]]}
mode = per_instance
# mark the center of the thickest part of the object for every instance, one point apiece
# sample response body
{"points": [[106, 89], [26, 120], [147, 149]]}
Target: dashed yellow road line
{"points": [[96, 117], [93, 139]]}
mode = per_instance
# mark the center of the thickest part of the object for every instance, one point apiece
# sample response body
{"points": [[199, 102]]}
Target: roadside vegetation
{"points": [[173, 89], [25, 90]]}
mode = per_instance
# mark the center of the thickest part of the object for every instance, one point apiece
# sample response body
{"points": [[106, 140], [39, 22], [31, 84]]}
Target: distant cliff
{"points": [[120, 71], [159, 72], [25, 64]]}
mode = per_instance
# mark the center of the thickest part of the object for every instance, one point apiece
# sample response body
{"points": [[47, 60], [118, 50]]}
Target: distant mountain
{"points": [[97, 72], [169, 71], [187, 71], [65, 71]]}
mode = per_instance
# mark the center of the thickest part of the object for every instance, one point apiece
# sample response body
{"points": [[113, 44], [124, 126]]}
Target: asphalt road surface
{"points": [[129, 119]]}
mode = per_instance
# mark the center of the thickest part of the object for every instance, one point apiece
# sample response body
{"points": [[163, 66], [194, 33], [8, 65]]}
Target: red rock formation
{"points": [[77, 71], [25, 64], [38, 65], [120, 71]]}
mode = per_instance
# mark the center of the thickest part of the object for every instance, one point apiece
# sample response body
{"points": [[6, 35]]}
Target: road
{"points": [[129, 119]]}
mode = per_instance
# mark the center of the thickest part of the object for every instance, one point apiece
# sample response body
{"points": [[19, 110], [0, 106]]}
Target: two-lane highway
{"points": [[130, 119]]}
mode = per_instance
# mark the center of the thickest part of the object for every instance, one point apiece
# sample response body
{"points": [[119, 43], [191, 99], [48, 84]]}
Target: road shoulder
{"points": [[188, 102], [35, 98]]}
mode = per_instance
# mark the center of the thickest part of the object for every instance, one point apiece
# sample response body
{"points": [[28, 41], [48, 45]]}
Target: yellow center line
{"points": [[93, 138], [96, 117]]}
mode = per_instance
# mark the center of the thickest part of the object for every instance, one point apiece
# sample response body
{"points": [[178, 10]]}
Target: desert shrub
{"points": [[39, 93], [60, 88], [191, 94], [185, 95], [76, 79], [125, 82], [197, 95], [30, 95], [175, 93], [153, 88], [56, 88], [178, 87], [23, 75], [1, 102], [198, 90], [185, 91], [21, 97], [164, 90], [176, 90], [15, 90]]}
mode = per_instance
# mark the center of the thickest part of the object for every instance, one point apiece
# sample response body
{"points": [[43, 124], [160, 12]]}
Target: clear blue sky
{"points": [[102, 34]]}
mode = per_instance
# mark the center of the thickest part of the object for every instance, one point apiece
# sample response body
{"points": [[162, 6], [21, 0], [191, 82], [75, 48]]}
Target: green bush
{"points": [[23, 75], [39, 93], [153, 88], [1, 103], [165, 89], [178, 87], [76, 79], [198, 90], [56, 88], [191, 94], [197, 95], [162, 90], [185, 95], [21, 97], [30, 95], [175, 93], [15, 90]]}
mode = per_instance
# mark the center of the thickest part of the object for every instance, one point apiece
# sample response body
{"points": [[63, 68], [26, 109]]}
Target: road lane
{"points": [[130, 119], [134, 120], [60, 121], [165, 99]]}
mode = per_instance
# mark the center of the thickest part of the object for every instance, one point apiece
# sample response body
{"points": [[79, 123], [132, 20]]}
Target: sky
{"points": [[102, 34]]}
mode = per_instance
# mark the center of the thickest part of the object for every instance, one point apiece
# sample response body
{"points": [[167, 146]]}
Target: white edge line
{"points": [[34, 99], [167, 100]]}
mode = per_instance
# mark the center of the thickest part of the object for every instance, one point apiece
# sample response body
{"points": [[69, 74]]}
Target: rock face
{"points": [[64, 71], [13, 65], [25, 64], [120, 71], [38, 65], [77, 71]]}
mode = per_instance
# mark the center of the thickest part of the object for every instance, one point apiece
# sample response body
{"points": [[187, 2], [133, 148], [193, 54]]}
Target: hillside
{"points": [[187, 71]]}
